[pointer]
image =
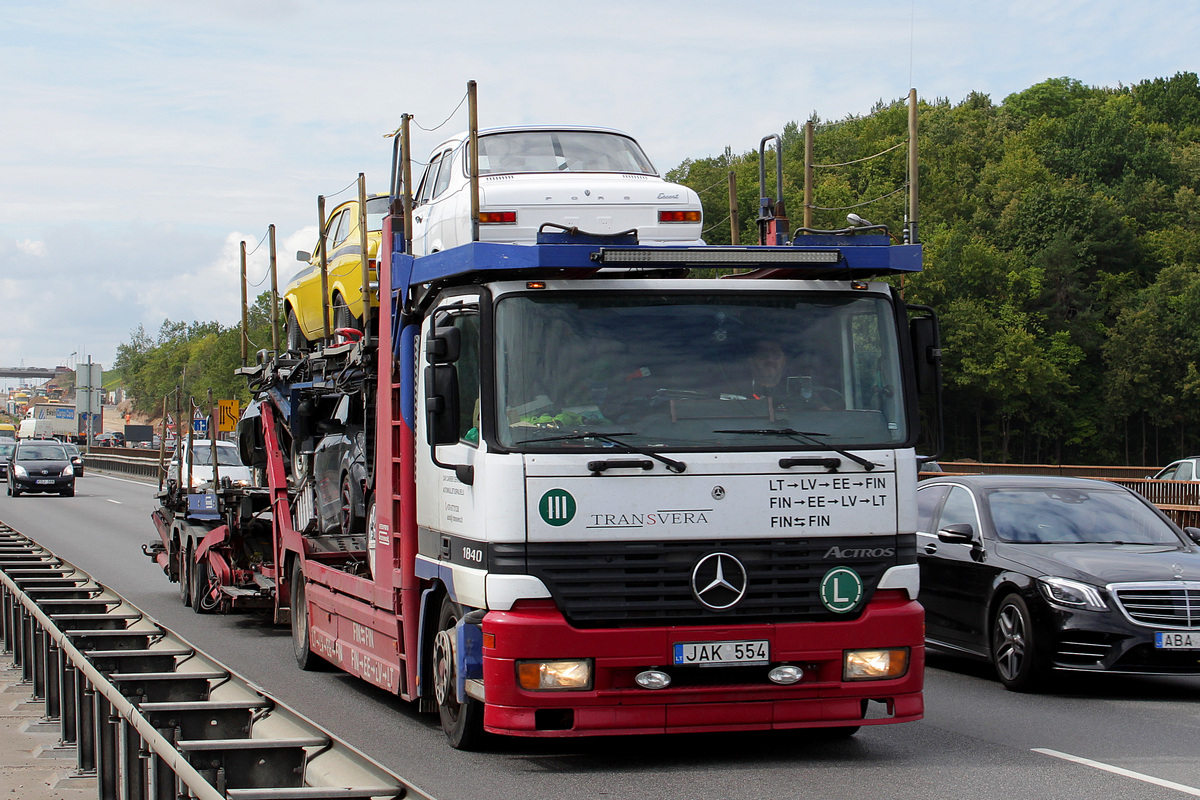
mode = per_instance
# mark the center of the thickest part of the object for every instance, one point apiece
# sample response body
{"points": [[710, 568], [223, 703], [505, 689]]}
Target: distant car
{"points": [[596, 179], [39, 465], [76, 458], [6, 448], [229, 464], [302, 296], [108, 440], [1040, 574], [1185, 469]]}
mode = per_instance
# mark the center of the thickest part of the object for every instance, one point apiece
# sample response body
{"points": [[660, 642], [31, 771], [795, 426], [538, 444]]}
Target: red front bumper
{"points": [[700, 702]]}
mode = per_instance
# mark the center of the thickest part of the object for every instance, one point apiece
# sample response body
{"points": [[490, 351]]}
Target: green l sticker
{"points": [[841, 590]]}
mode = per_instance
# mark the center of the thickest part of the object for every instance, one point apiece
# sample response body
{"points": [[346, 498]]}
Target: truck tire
{"points": [[306, 659], [462, 722]]}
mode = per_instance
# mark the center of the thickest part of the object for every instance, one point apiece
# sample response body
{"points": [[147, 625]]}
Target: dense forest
{"points": [[1062, 251]]}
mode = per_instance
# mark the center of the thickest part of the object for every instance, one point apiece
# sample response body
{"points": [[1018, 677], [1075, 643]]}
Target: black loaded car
{"points": [[40, 465], [1040, 575]]}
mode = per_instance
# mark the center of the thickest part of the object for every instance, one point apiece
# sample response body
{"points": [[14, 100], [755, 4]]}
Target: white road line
{"points": [[122, 480], [109, 499], [1087, 762]]}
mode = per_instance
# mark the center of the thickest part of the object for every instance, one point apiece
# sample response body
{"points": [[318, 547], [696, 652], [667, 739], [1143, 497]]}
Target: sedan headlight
{"points": [[1071, 595]]}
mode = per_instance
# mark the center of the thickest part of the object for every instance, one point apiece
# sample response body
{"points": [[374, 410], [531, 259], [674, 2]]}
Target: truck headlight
{"points": [[566, 674], [874, 665]]}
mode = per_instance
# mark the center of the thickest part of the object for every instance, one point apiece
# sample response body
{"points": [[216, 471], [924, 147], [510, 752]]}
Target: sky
{"points": [[141, 141]]}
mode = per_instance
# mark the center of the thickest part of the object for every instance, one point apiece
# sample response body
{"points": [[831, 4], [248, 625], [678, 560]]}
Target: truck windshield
{"points": [[699, 372]]}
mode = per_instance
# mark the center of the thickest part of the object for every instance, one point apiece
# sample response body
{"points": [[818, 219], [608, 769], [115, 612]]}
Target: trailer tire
{"points": [[201, 580], [462, 722], [306, 659], [185, 573]]}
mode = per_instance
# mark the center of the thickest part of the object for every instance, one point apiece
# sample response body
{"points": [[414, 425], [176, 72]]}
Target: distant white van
{"points": [[36, 429]]}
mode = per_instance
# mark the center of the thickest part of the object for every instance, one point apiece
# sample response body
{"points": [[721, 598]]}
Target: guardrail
{"points": [[150, 716], [136, 466]]}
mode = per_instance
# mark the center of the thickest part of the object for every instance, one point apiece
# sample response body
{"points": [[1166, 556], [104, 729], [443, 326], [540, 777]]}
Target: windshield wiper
{"points": [[672, 464], [809, 437]]}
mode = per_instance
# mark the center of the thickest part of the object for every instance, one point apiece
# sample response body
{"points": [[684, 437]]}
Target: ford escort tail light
{"points": [[875, 665], [559, 675], [678, 216], [497, 218]]}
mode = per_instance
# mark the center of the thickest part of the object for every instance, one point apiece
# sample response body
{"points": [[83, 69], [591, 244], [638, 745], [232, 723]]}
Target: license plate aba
{"points": [[722, 654], [1177, 640]]}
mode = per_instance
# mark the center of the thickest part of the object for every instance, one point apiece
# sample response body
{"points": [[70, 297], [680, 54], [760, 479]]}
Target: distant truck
{"points": [[35, 429], [62, 418]]}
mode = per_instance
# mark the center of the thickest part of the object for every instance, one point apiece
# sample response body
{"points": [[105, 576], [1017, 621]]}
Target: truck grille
{"points": [[1162, 604], [626, 584]]}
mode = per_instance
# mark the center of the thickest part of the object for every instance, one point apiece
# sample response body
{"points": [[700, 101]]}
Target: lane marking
{"points": [[109, 499], [1138, 776], [122, 480]]}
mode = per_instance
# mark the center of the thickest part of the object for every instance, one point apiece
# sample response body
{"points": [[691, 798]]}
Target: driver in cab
{"points": [[767, 364]]}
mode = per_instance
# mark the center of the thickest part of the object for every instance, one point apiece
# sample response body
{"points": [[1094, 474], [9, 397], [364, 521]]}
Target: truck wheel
{"points": [[462, 722], [295, 337], [202, 603], [1014, 647], [305, 658]]}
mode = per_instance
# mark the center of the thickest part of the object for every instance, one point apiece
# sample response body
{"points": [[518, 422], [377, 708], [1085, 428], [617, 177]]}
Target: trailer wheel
{"points": [[202, 602], [185, 574], [301, 648], [462, 722]]}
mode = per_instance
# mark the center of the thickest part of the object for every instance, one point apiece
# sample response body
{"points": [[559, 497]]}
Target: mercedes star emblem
{"points": [[719, 581]]}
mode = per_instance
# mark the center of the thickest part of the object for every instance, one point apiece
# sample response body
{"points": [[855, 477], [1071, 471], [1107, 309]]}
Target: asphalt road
{"points": [[1090, 738]]}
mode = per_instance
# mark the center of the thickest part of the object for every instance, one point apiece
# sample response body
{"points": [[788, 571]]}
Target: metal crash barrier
{"points": [[148, 715]]}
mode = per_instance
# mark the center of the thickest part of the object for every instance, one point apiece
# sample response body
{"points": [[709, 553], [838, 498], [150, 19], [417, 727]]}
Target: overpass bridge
{"points": [[31, 372]]}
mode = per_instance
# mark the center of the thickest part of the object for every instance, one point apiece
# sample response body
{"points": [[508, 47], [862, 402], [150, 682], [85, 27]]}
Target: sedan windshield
{"points": [[1076, 516], [736, 371], [561, 151]]}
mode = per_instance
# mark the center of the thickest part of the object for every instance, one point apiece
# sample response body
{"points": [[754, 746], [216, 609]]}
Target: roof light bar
{"points": [[716, 256]]}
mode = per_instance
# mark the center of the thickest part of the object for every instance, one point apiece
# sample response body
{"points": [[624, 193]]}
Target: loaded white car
{"points": [[595, 179]]}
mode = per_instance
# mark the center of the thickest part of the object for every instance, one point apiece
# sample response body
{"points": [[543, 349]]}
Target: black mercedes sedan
{"points": [[40, 465], [1040, 575]]}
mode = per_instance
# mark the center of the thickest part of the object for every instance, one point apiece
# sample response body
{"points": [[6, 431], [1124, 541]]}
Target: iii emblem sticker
{"points": [[557, 507]]}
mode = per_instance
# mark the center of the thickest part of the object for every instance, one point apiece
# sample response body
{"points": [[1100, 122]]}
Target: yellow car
{"points": [[302, 297]]}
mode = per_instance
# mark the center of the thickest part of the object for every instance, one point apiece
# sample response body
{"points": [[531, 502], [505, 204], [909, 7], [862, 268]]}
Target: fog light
{"points": [[786, 675], [653, 679], [541, 676], [875, 665]]}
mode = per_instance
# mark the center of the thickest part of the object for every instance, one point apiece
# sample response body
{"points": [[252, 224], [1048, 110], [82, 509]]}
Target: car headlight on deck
{"points": [[565, 674], [874, 665], [1072, 595]]}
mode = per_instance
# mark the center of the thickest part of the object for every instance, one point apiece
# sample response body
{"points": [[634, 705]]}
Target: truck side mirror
{"points": [[927, 353], [441, 404], [444, 346]]}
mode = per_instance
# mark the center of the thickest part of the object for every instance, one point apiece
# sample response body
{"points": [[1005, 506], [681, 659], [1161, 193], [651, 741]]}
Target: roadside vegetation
{"points": [[1062, 252]]}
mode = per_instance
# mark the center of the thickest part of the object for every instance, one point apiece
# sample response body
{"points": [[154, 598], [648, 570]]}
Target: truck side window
{"points": [[468, 378]]}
